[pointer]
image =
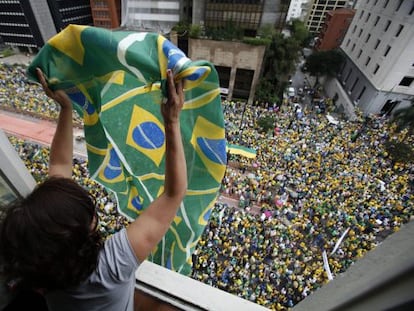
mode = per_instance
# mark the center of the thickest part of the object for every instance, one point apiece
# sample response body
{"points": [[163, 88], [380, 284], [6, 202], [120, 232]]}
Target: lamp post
{"points": [[241, 122]]}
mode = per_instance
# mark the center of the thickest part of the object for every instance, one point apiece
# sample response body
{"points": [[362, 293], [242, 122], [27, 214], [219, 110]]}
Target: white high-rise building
{"points": [[378, 76], [158, 16], [296, 10]]}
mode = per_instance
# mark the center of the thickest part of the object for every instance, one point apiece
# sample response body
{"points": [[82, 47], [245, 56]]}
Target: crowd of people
{"points": [[19, 94], [324, 187]]}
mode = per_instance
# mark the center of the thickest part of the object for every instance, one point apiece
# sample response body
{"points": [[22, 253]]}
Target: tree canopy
{"points": [[300, 33], [401, 150], [323, 63], [404, 118], [280, 61]]}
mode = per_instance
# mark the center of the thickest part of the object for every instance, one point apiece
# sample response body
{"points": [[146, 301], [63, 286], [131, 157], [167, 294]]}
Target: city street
{"points": [[299, 80]]}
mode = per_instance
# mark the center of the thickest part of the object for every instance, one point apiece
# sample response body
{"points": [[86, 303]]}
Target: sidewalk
{"points": [[36, 130], [19, 58]]}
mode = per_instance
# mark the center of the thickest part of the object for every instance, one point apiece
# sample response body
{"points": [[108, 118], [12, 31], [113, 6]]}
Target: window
{"points": [[361, 93], [360, 33], [367, 39], [362, 14], [353, 30], [376, 1], [406, 81], [353, 47], [386, 3], [359, 53], [399, 5], [377, 67], [368, 60], [387, 25], [377, 44], [387, 50], [347, 43], [348, 75], [368, 16], [355, 83], [242, 83], [8, 195], [376, 21], [400, 28], [224, 76], [412, 10]]}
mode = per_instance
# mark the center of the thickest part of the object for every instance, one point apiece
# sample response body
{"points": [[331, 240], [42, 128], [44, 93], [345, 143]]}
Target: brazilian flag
{"points": [[241, 150], [117, 81]]}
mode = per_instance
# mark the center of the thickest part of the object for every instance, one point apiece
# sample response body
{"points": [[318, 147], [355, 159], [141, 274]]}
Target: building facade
{"points": [[334, 29], [297, 9], [159, 16], [246, 15], [239, 73], [70, 12], [219, 14], [19, 23], [378, 75], [106, 13], [274, 13], [237, 63], [318, 10], [28, 24]]}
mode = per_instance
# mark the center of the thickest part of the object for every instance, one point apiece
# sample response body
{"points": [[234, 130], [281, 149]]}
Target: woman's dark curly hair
{"points": [[49, 239]]}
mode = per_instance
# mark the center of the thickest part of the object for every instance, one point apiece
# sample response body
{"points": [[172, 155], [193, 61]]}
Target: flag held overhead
{"points": [[116, 80]]}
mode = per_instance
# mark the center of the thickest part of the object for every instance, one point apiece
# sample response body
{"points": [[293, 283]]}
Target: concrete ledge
{"points": [[186, 293]]}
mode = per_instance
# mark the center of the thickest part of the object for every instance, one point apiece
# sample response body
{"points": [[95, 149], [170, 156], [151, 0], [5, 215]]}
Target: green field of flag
{"points": [[116, 80]]}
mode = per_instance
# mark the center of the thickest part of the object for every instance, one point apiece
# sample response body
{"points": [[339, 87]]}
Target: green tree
{"points": [[182, 27], [400, 148], [300, 32], [228, 32], [404, 118], [280, 61], [265, 91], [399, 151], [266, 123], [194, 31], [266, 31], [324, 63]]}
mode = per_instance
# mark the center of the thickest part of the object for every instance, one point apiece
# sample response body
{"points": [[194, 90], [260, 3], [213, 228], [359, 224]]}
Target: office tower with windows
{"points": [[70, 12], [297, 9], [159, 16], [246, 15], [20, 27], [28, 24], [106, 13], [318, 10], [378, 75]]}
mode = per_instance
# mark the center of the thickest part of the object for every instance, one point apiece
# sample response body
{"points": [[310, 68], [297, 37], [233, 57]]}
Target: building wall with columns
{"points": [[234, 55]]}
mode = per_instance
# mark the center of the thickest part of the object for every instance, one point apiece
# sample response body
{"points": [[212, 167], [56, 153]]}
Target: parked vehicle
{"points": [[291, 91]]}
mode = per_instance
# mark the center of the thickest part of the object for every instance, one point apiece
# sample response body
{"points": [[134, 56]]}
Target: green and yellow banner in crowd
{"points": [[117, 81], [241, 150]]}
